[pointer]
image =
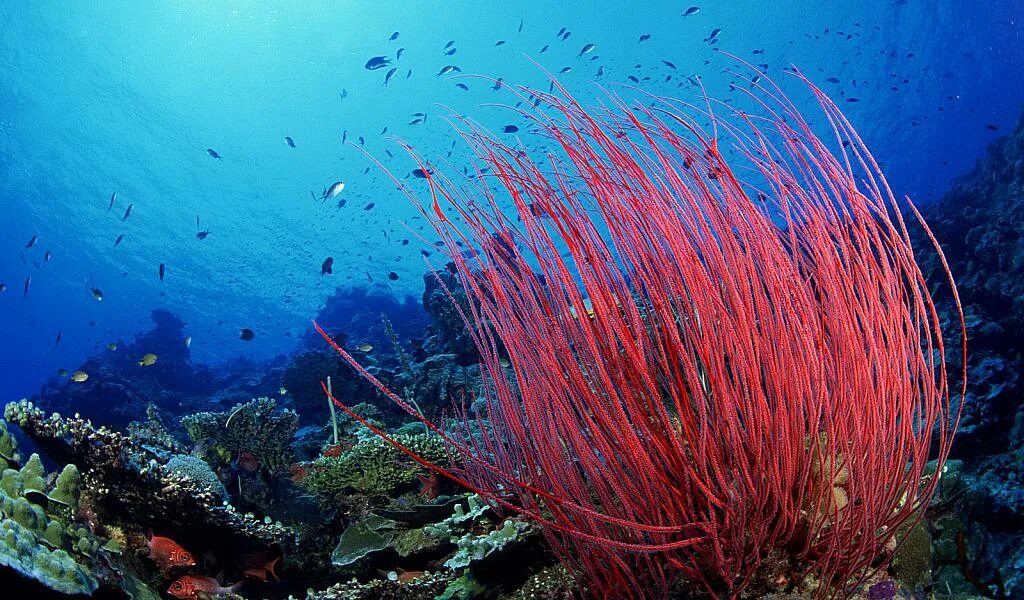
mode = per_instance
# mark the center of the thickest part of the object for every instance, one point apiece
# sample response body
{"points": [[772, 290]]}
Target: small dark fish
{"points": [[60, 336], [497, 84], [113, 198], [97, 294], [385, 130], [213, 153], [451, 52], [362, 142], [201, 234], [288, 140], [344, 136], [327, 267], [162, 270], [587, 49], [48, 256], [28, 284], [343, 93], [420, 173], [377, 62], [462, 86], [3, 287], [393, 276], [118, 241], [566, 35], [832, 80], [127, 212], [992, 127], [499, 43], [560, 32], [714, 34], [389, 75], [669, 64], [394, 36], [510, 129], [852, 99], [544, 49], [520, 30], [370, 206], [408, 74], [644, 38], [691, 11], [449, 44], [32, 242], [246, 334], [565, 70], [399, 53], [448, 69]]}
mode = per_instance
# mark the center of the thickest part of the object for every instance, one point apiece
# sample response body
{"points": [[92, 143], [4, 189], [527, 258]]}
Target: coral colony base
{"points": [[723, 370]]}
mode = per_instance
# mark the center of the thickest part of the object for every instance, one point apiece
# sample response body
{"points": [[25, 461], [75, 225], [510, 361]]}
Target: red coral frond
{"points": [[722, 348]]}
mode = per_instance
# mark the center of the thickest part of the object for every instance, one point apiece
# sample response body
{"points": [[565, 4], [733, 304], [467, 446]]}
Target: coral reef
{"points": [[38, 536], [125, 480], [371, 467], [256, 427]]}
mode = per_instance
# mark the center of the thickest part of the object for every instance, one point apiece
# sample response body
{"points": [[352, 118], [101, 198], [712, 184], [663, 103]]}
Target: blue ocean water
{"points": [[126, 98]]}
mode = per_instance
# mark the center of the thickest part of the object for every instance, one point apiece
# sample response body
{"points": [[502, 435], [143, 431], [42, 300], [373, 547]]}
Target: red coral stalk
{"points": [[722, 368]]}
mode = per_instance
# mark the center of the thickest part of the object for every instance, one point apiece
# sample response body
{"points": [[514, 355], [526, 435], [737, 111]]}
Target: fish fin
{"points": [[272, 568]]}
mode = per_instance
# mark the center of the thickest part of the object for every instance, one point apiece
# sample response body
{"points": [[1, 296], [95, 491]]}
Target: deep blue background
{"points": [[126, 97]]}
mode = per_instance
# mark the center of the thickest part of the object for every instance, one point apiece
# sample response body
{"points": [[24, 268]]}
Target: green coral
{"points": [[8, 448], [361, 539], [372, 466], [32, 542], [67, 489], [20, 550], [472, 546], [256, 427]]}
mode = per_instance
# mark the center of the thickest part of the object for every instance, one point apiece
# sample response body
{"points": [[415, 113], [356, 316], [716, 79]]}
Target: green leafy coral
{"points": [[471, 545], [372, 466], [256, 427]]}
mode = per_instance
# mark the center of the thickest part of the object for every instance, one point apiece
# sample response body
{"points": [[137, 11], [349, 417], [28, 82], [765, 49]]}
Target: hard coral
{"points": [[371, 467], [256, 427]]}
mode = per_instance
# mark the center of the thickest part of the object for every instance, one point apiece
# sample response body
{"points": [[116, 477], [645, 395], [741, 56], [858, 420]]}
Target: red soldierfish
{"points": [[167, 553], [258, 567], [188, 587]]}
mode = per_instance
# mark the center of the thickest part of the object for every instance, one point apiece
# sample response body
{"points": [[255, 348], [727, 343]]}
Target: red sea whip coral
{"points": [[725, 363]]}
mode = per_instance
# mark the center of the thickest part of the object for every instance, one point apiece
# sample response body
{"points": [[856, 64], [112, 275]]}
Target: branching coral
{"points": [[708, 372]]}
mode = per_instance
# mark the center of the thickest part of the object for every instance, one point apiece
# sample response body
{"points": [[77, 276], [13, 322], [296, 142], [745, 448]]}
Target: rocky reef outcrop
{"points": [[978, 519]]}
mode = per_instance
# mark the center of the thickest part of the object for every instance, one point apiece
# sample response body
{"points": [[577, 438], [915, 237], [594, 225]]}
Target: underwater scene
{"points": [[351, 300]]}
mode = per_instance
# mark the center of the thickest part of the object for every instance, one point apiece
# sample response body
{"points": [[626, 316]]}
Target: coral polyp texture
{"points": [[726, 368]]}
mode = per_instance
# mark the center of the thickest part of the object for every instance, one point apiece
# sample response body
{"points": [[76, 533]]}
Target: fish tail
{"points": [[272, 568]]}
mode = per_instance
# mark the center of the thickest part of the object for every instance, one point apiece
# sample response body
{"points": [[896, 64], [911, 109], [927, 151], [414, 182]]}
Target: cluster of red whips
{"points": [[736, 381]]}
